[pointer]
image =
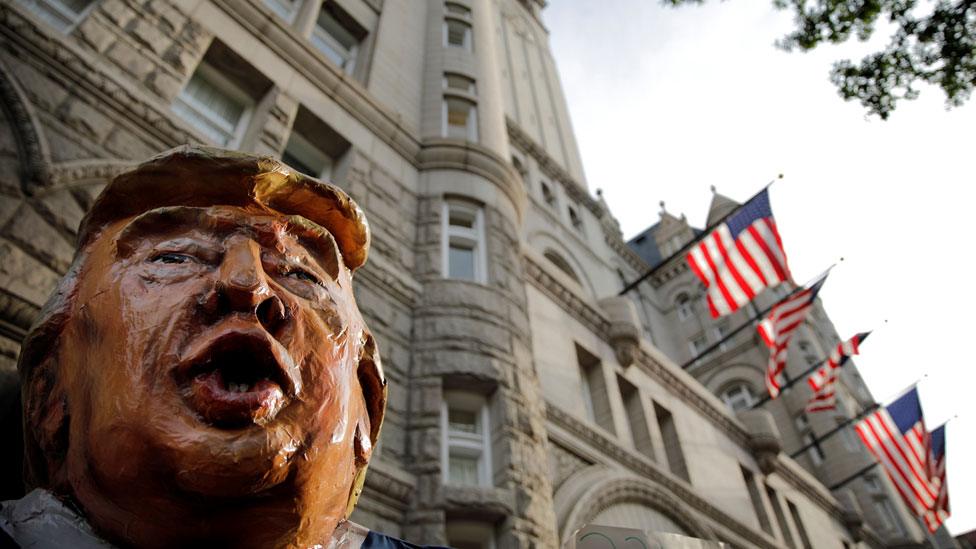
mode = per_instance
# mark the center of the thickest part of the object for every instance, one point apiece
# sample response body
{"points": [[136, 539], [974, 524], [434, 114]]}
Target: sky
{"points": [[667, 102]]}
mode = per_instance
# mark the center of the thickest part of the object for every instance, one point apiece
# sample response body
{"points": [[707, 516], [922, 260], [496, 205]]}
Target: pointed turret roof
{"points": [[720, 207]]}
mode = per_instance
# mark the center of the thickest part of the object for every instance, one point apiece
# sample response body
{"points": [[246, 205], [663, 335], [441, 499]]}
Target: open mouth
{"points": [[238, 379]]}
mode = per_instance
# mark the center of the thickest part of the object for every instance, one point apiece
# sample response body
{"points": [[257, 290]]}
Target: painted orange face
{"points": [[212, 357]]}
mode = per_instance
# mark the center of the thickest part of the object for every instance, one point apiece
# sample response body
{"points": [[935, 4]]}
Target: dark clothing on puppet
{"points": [[41, 521]]}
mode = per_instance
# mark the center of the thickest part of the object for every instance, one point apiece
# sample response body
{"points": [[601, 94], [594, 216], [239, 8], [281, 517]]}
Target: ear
{"points": [[45, 426], [373, 384]]}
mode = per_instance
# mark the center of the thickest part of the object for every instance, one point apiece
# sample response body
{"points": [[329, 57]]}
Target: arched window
{"points": [[739, 397], [561, 264], [684, 306]]}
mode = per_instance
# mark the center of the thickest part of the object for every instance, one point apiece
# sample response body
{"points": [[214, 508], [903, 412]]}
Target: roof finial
{"points": [[663, 209], [712, 187]]}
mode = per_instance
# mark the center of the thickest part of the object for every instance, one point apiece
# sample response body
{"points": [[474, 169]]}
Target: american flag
{"points": [[896, 435], [740, 258], [777, 329], [822, 381], [938, 513]]}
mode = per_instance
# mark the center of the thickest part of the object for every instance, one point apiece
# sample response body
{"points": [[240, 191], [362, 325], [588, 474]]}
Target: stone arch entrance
{"points": [[602, 495]]}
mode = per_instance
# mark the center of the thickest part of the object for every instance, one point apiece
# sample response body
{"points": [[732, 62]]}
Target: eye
{"points": [[172, 258], [303, 275]]}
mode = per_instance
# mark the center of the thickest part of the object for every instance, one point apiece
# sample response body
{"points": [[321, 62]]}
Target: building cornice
{"points": [[567, 299], [550, 167], [643, 467], [456, 154], [617, 244], [715, 412], [597, 323], [657, 370]]}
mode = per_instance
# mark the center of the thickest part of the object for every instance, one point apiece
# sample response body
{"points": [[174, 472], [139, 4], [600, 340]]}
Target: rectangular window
{"points": [[784, 528], [684, 305], [61, 14], [814, 452], [886, 515], [338, 36], [460, 119], [596, 399], [697, 345], [795, 513], [285, 9], [720, 331], [672, 444], [575, 219], [466, 445], [672, 245], [756, 498], [464, 255], [313, 147], [636, 419], [547, 193], [457, 34], [220, 95]]}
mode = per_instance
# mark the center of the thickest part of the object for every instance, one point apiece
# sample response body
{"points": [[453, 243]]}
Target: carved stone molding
{"points": [[675, 267], [714, 411], [549, 166], [645, 469], [52, 51], [384, 485], [567, 299], [617, 244], [454, 154], [789, 474], [86, 172], [16, 316], [635, 490], [31, 148], [478, 503]]}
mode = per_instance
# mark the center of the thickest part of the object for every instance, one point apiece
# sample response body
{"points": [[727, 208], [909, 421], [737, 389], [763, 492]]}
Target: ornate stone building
{"points": [[735, 372], [526, 399]]}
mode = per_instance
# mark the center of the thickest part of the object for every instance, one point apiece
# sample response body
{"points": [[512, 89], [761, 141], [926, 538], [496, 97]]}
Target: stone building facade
{"points": [[526, 399]]}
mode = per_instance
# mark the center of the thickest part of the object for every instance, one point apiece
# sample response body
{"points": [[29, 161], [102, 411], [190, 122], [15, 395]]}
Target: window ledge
{"points": [[485, 503]]}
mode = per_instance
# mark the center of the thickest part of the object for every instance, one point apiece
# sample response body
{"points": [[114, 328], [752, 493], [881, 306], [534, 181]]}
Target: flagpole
{"points": [[865, 469], [705, 232], [795, 380], [835, 430], [752, 320], [863, 413]]}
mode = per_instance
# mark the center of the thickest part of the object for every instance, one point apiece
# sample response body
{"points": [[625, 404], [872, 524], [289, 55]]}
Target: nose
{"points": [[241, 279], [242, 285]]}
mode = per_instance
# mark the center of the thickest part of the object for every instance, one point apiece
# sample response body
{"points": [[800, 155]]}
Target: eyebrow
{"points": [[316, 239]]}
